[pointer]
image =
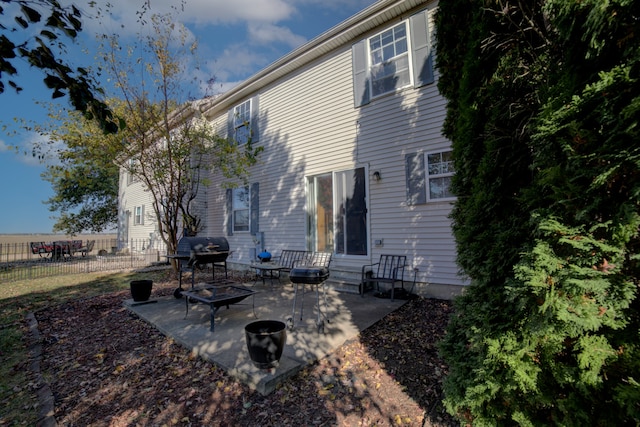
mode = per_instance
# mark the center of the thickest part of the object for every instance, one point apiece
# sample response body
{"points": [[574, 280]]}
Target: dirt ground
{"points": [[106, 367]]}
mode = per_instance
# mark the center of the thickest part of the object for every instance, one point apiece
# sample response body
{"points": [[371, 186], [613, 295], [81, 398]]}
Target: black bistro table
{"points": [[266, 270], [216, 297]]}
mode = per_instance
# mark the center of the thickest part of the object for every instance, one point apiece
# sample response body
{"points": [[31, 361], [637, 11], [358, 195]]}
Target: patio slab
{"points": [[348, 315]]}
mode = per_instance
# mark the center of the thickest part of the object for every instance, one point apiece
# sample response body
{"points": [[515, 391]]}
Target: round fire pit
{"points": [[265, 342]]}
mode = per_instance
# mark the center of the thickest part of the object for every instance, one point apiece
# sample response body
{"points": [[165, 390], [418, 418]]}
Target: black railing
{"points": [[32, 260]]}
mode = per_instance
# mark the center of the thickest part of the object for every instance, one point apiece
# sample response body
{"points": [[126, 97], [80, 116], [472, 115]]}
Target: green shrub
{"points": [[543, 113]]}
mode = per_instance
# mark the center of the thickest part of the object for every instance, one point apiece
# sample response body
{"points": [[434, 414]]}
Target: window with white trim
{"points": [[240, 208], [242, 122], [399, 56], [429, 177], [439, 172], [138, 215], [131, 178], [389, 60]]}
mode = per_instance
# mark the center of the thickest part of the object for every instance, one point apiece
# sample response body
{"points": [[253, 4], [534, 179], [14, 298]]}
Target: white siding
{"points": [[309, 126], [132, 195]]}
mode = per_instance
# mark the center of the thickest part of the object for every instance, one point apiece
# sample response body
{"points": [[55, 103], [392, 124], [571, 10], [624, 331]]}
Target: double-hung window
{"points": [[389, 59], [439, 172], [429, 177], [130, 172], [240, 208], [392, 59], [138, 215], [243, 123], [243, 209]]}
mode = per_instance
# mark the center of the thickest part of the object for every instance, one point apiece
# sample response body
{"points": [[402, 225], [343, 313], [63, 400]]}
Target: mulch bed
{"points": [[107, 367]]}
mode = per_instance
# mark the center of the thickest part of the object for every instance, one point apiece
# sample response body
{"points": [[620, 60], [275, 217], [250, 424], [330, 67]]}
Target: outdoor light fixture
{"points": [[377, 176]]}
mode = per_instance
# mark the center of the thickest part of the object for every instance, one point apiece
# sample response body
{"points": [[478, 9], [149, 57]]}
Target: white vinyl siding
{"points": [[310, 127]]}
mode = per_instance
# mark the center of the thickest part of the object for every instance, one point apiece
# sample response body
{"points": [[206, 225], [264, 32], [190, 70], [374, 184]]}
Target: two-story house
{"points": [[354, 160]]}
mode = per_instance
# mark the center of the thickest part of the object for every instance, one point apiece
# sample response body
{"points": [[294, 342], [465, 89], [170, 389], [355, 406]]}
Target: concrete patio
{"points": [[348, 315]]}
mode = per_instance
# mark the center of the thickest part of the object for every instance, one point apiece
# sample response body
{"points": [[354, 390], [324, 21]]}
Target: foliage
{"points": [[543, 116], [85, 180], [166, 145], [43, 23]]}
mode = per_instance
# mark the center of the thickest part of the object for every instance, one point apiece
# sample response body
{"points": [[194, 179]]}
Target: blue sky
{"points": [[236, 39]]}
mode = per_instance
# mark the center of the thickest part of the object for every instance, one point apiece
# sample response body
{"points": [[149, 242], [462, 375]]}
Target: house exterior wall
{"points": [[309, 125], [135, 236]]}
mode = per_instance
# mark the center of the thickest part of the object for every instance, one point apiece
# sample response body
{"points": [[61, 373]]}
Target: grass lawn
{"points": [[17, 389]]}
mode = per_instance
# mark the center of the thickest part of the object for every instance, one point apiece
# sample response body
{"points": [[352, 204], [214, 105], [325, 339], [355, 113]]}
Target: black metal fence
{"points": [[32, 260]]}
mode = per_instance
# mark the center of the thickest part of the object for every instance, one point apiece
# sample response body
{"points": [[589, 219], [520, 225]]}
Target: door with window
{"points": [[337, 212]]}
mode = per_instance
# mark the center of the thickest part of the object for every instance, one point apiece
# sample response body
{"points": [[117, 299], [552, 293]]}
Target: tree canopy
{"points": [[43, 47], [166, 145], [543, 111]]}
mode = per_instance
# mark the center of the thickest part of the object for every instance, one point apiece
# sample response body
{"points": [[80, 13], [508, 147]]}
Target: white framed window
{"points": [[440, 169], [242, 122], [241, 198], [429, 177], [131, 178], [389, 60], [138, 215], [398, 56]]}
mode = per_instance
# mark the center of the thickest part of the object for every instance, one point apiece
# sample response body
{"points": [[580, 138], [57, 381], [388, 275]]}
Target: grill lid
{"points": [[204, 250]]}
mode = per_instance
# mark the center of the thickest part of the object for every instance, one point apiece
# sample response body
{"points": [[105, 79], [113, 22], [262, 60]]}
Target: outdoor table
{"points": [[216, 297], [265, 270]]}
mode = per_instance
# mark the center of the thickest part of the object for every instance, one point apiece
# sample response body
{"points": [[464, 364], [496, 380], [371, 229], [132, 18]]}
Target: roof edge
{"points": [[339, 34]]}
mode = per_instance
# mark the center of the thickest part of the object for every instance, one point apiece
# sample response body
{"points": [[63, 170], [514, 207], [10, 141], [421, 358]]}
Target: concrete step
{"points": [[345, 286]]}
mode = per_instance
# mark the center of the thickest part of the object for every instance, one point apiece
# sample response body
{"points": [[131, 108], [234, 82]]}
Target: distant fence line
{"points": [[32, 260]]}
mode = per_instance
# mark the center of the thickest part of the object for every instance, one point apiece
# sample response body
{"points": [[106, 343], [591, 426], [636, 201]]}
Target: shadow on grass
{"points": [[17, 299]]}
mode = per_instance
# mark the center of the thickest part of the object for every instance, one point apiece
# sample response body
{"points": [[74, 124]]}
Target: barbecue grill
{"points": [[314, 276], [197, 252]]}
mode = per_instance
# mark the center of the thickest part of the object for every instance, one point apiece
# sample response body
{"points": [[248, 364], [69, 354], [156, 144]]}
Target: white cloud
{"points": [[258, 30], [35, 149], [267, 34], [237, 60], [206, 12]]}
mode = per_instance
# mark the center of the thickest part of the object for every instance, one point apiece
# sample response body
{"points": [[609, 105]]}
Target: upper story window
{"points": [[240, 206], [131, 178], [396, 57], [389, 60], [243, 122]]}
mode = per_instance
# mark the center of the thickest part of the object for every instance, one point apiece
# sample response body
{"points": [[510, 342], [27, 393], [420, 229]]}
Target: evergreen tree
{"points": [[543, 115]]}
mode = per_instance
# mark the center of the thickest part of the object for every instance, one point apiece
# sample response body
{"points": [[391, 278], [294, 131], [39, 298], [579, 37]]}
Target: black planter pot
{"points": [[265, 342], [141, 289]]}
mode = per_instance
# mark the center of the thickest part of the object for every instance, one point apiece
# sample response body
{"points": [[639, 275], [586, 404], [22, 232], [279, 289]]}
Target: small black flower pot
{"points": [[141, 289], [265, 342]]}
